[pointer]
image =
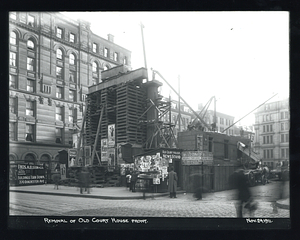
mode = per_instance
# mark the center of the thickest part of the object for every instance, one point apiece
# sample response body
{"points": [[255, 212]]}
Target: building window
{"points": [[72, 59], [59, 54], [13, 38], [12, 81], [287, 137], [83, 96], [12, 131], [13, 15], [30, 20], [71, 115], [72, 38], [72, 95], [58, 113], [95, 47], [125, 60], [29, 133], [72, 76], [271, 128], [286, 124], [59, 72], [282, 138], [13, 59], [46, 89], [58, 135], [30, 44], [286, 114], [226, 143], [59, 32], [12, 105], [282, 126], [264, 128], [30, 64], [95, 67], [221, 120], [59, 92], [283, 153], [116, 56], [105, 52], [30, 108], [30, 86]]}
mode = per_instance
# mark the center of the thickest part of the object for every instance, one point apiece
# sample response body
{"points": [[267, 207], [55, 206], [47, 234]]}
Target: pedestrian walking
{"points": [[172, 183], [133, 180], [128, 180], [238, 180], [56, 179], [84, 180]]}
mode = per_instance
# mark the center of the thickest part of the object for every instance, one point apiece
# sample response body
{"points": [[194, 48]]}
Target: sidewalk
{"points": [[101, 193]]}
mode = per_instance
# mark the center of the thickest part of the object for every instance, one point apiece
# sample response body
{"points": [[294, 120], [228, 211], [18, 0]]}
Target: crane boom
{"points": [[196, 114]]}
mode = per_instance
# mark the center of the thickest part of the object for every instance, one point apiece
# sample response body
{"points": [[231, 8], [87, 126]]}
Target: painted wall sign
{"points": [[197, 157]]}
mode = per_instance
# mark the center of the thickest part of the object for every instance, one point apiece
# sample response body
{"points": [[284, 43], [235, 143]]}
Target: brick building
{"points": [[272, 132], [53, 61]]}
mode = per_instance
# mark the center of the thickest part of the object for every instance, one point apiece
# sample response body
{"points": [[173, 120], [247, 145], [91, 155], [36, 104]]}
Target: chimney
{"points": [[110, 37]]}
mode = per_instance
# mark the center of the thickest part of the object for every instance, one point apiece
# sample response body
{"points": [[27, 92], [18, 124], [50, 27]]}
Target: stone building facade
{"points": [[272, 124], [52, 62]]}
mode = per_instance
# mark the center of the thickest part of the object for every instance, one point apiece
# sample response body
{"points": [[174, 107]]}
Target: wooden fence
{"points": [[210, 178]]}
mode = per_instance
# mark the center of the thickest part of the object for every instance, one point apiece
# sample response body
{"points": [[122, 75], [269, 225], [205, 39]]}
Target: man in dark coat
{"points": [[172, 178], [133, 180], [239, 181]]}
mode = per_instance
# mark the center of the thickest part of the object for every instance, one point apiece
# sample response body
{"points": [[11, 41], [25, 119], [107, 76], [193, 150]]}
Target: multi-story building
{"points": [[53, 61], [272, 132]]}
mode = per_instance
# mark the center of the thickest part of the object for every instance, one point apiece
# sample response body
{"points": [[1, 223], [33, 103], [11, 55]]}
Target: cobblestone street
{"points": [[184, 206]]}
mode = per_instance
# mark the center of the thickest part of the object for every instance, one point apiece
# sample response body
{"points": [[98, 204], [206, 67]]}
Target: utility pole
{"points": [[179, 109], [144, 50]]}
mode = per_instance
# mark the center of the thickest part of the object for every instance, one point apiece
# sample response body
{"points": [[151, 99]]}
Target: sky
{"points": [[241, 58]]}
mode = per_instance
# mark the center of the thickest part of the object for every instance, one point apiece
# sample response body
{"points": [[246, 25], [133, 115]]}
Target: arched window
{"points": [[30, 158], [13, 38], [31, 56], [30, 44], [59, 54], [72, 59], [95, 67]]}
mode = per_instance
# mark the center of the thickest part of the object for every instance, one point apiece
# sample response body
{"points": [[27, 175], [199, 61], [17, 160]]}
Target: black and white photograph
{"points": [[138, 120]]}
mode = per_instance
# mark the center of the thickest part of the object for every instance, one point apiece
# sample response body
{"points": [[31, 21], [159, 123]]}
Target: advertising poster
{"points": [[111, 135], [72, 157], [104, 156], [63, 171], [111, 156]]}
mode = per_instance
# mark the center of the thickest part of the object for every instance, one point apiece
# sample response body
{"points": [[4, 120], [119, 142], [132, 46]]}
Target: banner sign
{"points": [[171, 154], [23, 174], [197, 157]]}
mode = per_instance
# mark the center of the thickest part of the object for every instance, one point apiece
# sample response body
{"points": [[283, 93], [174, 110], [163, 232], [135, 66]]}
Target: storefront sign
{"points": [[22, 174], [197, 157], [171, 154]]}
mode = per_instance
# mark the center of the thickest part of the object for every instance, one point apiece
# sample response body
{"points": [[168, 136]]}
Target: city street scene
{"points": [[151, 115]]}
